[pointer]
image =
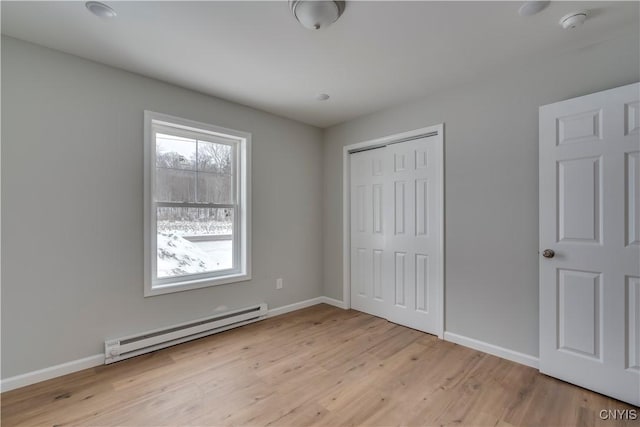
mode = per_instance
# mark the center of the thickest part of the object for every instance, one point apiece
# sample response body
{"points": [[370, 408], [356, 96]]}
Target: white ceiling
{"points": [[376, 55]]}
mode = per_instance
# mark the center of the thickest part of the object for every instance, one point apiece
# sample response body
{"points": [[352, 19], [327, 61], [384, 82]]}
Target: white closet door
{"points": [[590, 242], [368, 275], [396, 236]]}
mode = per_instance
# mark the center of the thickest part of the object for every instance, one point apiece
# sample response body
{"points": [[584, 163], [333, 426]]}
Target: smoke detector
{"points": [[574, 19]]}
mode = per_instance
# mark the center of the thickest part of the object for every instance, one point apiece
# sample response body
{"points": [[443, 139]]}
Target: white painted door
{"points": [[396, 237], [590, 219]]}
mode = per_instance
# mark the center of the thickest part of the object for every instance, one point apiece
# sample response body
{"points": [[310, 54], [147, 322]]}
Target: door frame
{"points": [[438, 132]]}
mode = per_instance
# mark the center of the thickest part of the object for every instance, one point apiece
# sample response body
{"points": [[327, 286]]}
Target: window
{"points": [[197, 211]]}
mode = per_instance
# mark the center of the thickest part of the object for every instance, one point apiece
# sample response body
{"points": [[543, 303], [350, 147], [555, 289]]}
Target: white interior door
{"points": [[396, 236], [590, 230]]}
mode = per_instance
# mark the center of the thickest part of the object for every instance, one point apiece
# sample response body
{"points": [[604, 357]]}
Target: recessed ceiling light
{"points": [[322, 97], [100, 9], [532, 7]]}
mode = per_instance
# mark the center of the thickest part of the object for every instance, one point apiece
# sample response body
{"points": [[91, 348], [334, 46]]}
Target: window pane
{"points": [[214, 157], [193, 240], [214, 188], [175, 152], [174, 185]]}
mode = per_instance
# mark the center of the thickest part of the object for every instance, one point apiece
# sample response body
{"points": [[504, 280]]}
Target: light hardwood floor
{"points": [[317, 366]]}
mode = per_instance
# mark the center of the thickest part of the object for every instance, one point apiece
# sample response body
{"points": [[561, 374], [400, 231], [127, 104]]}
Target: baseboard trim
{"points": [[333, 302], [304, 304], [40, 375], [495, 350], [293, 307]]}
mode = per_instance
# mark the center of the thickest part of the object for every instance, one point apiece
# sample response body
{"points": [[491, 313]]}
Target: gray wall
{"points": [[491, 184], [72, 207]]}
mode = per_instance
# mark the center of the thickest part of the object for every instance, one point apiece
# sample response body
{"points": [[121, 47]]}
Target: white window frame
{"points": [[241, 215]]}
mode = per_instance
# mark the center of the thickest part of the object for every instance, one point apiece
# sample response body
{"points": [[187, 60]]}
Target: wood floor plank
{"points": [[318, 366]]}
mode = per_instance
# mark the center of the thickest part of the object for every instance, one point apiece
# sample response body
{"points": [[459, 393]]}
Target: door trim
{"points": [[437, 131]]}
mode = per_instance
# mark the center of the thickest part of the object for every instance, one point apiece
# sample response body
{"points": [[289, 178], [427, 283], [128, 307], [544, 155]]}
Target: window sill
{"points": [[195, 284]]}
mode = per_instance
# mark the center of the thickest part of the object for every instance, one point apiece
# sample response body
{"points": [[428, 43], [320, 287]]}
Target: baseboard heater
{"points": [[134, 345]]}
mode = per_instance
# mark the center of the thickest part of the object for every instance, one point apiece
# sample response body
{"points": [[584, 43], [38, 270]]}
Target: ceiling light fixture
{"points": [[101, 10], [574, 19], [316, 14], [532, 7]]}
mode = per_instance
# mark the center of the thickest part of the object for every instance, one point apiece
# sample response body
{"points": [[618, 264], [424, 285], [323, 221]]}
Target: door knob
{"points": [[548, 253]]}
